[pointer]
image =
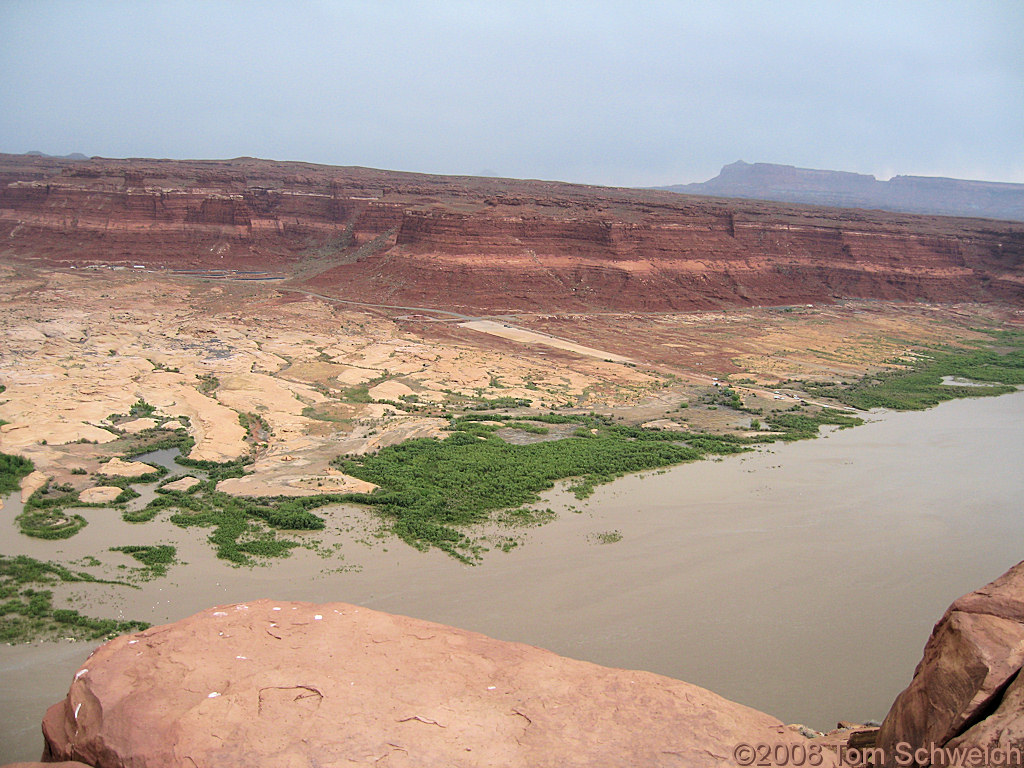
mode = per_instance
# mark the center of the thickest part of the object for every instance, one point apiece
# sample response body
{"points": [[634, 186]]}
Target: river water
{"points": [[802, 580]]}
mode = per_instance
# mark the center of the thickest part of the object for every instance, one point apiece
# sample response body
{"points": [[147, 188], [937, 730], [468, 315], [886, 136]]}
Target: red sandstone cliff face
{"points": [[967, 692], [493, 244]]}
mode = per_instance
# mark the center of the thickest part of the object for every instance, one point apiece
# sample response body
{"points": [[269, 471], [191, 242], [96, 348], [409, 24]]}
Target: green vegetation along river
{"points": [[801, 579]]}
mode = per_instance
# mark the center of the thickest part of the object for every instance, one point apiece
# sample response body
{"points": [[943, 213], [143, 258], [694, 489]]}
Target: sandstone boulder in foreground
{"points": [[967, 691], [299, 684]]}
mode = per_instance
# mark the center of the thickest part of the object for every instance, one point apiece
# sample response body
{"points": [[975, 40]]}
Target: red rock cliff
{"points": [[493, 243]]}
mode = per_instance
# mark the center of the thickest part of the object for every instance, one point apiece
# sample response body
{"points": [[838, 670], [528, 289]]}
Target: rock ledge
{"points": [[290, 684]]}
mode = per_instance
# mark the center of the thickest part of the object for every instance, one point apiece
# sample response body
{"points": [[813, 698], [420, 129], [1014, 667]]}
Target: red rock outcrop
{"points": [[493, 244], [274, 683], [967, 691]]}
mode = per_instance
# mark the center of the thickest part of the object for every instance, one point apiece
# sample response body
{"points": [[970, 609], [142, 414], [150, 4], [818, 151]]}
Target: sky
{"points": [[599, 92]]}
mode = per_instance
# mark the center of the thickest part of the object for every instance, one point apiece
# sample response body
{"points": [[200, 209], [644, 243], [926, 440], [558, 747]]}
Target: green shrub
{"points": [[141, 409], [430, 488], [801, 426], [921, 385], [530, 428], [156, 558], [27, 613], [208, 384], [12, 469]]}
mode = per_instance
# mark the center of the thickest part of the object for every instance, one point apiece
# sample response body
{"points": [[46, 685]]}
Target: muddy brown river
{"points": [[802, 580]]}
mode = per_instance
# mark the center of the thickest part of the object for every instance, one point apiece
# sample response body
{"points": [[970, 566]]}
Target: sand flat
{"points": [[533, 337]]}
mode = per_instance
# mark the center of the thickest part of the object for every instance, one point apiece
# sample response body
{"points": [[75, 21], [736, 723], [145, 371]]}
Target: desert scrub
{"points": [[12, 469], [156, 439], [200, 485], [50, 524], [999, 364], [143, 515], [236, 537], [27, 612], [43, 515], [123, 482], [357, 394], [256, 427], [196, 501], [310, 412], [156, 558], [484, 404], [242, 527], [583, 487], [208, 384], [533, 429], [606, 537], [429, 488], [726, 397], [476, 425], [802, 426], [216, 470], [560, 418], [524, 517], [141, 409]]}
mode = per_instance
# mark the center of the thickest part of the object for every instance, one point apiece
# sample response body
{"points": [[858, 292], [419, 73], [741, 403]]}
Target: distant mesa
{"points": [[72, 156], [908, 194]]}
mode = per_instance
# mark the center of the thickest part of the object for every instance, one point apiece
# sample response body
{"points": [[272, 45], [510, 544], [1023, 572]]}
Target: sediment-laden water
{"points": [[801, 580]]}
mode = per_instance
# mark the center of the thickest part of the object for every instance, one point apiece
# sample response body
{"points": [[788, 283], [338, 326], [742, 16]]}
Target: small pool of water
{"points": [[957, 381], [164, 457]]}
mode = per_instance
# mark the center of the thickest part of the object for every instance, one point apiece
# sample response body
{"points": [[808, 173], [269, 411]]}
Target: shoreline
{"points": [[642, 602]]}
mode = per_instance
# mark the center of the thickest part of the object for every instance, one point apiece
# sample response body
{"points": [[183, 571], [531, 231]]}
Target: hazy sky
{"points": [[626, 93]]}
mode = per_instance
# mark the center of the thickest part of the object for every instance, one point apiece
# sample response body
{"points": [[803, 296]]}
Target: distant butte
{"points": [[908, 194], [477, 244]]}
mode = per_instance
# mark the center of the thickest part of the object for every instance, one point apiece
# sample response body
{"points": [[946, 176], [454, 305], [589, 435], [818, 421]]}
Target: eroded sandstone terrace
{"points": [[82, 346]]}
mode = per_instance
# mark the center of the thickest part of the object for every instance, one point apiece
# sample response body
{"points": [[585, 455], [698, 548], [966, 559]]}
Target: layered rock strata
{"points": [[491, 244]]}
